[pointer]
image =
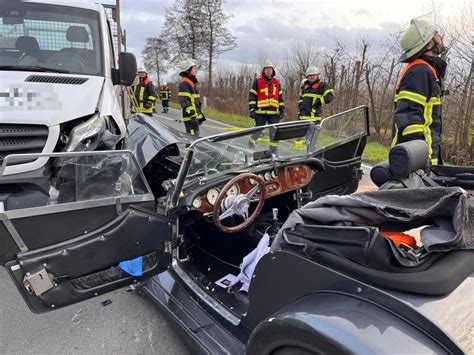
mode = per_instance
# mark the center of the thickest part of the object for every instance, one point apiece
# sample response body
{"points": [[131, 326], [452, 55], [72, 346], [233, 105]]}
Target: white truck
{"points": [[60, 91]]}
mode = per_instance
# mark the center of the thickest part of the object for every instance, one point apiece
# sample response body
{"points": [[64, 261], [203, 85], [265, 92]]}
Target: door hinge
{"points": [[38, 283], [168, 247]]}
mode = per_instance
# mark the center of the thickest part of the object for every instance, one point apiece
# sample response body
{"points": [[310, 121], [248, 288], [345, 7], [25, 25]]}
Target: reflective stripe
{"points": [[151, 98], [267, 112], [414, 128], [186, 94], [282, 104], [327, 92], [253, 91], [252, 102], [263, 139], [273, 144], [412, 96], [193, 133]]}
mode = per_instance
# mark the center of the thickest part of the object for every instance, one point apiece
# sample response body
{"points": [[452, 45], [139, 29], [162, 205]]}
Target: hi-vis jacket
{"points": [[266, 97], [165, 93], [145, 94], [190, 100], [418, 107], [312, 98]]}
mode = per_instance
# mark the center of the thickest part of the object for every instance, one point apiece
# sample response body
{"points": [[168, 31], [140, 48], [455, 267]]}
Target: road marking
{"points": [[228, 128]]}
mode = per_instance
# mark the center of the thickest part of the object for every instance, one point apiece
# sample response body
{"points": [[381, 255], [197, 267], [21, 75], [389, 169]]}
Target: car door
{"points": [[99, 232], [339, 143]]}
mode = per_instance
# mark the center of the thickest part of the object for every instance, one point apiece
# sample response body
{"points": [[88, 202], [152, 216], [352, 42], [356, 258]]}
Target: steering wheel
{"points": [[59, 57], [227, 206]]}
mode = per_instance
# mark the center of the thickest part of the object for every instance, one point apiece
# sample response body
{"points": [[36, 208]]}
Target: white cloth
{"points": [[250, 262]]}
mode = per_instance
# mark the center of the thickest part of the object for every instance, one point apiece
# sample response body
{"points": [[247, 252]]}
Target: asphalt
{"points": [[130, 324]]}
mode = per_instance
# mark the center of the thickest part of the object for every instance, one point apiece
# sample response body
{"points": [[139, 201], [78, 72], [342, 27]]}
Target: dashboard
{"points": [[276, 182]]}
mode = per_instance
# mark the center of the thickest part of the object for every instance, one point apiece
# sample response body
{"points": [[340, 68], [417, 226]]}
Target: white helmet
{"points": [[186, 65], [312, 71], [142, 70]]}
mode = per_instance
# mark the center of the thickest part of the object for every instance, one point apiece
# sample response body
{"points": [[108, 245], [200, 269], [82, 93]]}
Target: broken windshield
{"points": [[240, 150]]}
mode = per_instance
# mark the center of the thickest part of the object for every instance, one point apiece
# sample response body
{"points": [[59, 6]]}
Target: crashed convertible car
{"points": [[249, 251]]}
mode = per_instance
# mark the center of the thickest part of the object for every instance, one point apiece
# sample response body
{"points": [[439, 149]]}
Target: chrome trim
{"points": [[13, 232], [74, 206]]}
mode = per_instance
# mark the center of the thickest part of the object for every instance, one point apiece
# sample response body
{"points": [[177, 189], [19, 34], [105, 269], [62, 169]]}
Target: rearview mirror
{"points": [[127, 71]]}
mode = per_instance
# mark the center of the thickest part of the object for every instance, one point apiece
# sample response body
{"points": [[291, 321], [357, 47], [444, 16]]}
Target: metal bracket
{"points": [[38, 283], [13, 232]]}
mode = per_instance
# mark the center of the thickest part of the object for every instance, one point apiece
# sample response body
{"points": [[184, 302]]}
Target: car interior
{"points": [[209, 252]]}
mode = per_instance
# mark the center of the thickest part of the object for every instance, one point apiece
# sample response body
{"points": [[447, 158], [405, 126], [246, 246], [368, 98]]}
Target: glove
{"points": [[147, 105], [252, 114], [202, 119], [281, 115], [192, 113]]}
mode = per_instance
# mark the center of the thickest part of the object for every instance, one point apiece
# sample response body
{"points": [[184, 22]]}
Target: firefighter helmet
{"points": [[415, 38], [268, 64], [311, 71], [186, 65]]}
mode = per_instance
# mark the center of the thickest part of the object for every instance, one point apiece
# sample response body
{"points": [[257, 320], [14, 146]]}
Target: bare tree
{"points": [[217, 38], [155, 56], [183, 30]]}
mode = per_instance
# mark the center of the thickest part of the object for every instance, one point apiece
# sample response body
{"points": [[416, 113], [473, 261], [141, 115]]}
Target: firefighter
{"points": [[144, 93], [189, 97], [419, 88], [266, 104], [165, 95], [314, 94]]}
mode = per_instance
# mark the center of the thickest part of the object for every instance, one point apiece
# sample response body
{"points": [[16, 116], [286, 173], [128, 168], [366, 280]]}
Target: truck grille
{"points": [[22, 139]]}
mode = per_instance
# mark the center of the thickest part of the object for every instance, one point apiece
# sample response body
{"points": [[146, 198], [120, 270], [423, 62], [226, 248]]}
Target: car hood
{"points": [[43, 102], [147, 137]]}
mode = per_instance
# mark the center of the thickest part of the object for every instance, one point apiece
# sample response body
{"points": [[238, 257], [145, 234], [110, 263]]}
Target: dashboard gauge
{"points": [[268, 176], [212, 195], [197, 202], [233, 191], [274, 175]]}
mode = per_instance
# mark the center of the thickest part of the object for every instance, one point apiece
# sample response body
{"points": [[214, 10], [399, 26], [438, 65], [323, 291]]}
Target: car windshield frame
{"points": [[332, 131], [61, 15]]}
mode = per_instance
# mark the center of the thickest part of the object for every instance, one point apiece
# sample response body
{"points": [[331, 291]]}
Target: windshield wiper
{"points": [[33, 68]]}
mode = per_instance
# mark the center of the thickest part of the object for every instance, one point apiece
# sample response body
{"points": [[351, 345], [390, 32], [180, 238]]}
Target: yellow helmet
{"points": [[415, 38], [268, 64]]}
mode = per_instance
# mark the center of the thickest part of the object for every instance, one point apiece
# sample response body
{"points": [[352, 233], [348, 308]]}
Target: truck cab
{"points": [[60, 92]]}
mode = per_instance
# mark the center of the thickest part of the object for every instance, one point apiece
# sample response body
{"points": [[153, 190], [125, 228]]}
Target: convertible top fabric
{"points": [[342, 232], [449, 212]]}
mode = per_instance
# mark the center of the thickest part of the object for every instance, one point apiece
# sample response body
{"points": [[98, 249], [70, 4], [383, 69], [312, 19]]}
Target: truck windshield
{"points": [[60, 38]]}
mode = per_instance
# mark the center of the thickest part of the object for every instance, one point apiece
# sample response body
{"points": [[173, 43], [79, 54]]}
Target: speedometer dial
{"points": [[212, 195], [233, 191]]}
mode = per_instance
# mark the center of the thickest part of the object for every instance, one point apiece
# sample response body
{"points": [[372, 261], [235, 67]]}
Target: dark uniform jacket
{"points": [[145, 95], [312, 98], [418, 104], [165, 94], [190, 99]]}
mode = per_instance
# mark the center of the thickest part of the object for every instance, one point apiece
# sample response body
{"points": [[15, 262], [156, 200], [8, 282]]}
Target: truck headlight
{"points": [[87, 135]]}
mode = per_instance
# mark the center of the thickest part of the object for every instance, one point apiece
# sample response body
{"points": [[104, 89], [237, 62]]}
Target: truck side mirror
{"points": [[127, 71]]}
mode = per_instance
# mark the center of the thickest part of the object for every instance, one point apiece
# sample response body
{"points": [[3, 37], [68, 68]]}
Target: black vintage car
{"points": [[180, 223]]}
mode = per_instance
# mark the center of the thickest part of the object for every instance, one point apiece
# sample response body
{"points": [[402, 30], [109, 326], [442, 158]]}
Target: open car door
{"points": [[339, 143], [99, 231]]}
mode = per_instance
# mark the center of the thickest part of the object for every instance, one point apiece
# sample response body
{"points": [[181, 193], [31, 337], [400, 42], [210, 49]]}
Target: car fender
{"points": [[339, 323]]}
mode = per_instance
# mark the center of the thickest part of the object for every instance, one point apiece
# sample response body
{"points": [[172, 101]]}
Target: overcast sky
{"points": [[269, 27]]}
